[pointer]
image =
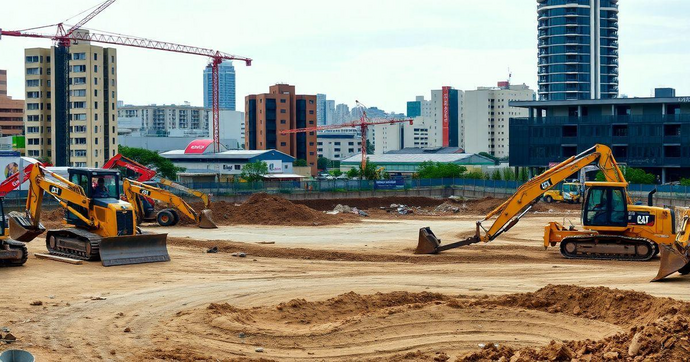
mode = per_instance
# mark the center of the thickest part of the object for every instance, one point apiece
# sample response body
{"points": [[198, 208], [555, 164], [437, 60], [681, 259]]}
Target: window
{"points": [[283, 111], [283, 144], [34, 141], [78, 141], [95, 92], [95, 56], [79, 80], [78, 117], [605, 207], [78, 104], [32, 129], [79, 153], [282, 121], [33, 71], [95, 105], [34, 153], [33, 83], [32, 106], [311, 101], [33, 94], [104, 186], [311, 112], [78, 68], [32, 118], [79, 129], [95, 141], [95, 67], [32, 59], [238, 167], [95, 81], [78, 56], [283, 101], [78, 93]]}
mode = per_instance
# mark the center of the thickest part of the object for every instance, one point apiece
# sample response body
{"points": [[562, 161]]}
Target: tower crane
{"points": [[363, 123], [64, 38]]}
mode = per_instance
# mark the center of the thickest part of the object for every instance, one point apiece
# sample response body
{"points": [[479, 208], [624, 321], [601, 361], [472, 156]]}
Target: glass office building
{"points": [[226, 86], [578, 49]]}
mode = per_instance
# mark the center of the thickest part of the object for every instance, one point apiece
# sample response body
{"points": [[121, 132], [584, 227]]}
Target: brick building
{"points": [[11, 110], [267, 114]]}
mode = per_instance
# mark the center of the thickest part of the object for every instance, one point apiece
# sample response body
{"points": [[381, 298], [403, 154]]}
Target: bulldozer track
{"points": [[83, 236], [609, 240]]}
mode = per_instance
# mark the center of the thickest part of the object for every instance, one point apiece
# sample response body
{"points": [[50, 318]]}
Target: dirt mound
{"points": [[370, 202], [265, 209], [53, 215]]}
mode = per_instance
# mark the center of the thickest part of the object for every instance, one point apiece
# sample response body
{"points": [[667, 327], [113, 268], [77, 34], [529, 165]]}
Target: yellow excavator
{"points": [[138, 194], [102, 226], [613, 227]]}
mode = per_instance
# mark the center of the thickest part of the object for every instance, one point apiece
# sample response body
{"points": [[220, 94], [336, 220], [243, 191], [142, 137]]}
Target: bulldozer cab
{"points": [[101, 186], [605, 205]]}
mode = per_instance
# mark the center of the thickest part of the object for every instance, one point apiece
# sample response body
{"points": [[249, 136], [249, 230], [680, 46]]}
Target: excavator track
{"points": [[25, 256], [74, 243], [608, 247]]}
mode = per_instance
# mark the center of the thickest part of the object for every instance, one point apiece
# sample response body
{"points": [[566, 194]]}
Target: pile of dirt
{"points": [[266, 209], [370, 202], [53, 215]]}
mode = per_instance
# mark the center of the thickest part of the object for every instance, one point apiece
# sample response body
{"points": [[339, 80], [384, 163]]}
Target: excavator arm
{"points": [[509, 213], [134, 189], [64, 191]]}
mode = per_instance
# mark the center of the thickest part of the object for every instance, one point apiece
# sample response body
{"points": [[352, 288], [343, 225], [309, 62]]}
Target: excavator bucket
{"points": [[135, 249], [206, 220], [22, 230], [427, 243], [674, 258]]}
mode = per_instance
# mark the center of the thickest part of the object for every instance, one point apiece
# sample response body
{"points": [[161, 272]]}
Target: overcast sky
{"points": [[381, 52]]}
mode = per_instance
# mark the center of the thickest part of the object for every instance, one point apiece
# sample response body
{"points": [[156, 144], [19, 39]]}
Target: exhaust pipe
{"points": [[650, 197]]}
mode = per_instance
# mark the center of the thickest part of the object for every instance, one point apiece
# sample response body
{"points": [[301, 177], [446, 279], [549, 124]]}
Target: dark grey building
{"points": [[578, 49], [648, 133]]}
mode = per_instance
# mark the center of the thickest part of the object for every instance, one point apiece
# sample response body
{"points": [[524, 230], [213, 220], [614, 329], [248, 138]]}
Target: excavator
{"points": [[145, 192], [12, 252], [102, 226], [613, 227]]}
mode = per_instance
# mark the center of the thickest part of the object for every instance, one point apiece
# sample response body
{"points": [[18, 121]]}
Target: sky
{"points": [[380, 52]]}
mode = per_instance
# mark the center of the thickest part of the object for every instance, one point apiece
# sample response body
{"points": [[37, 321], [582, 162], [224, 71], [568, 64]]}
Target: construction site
{"points": [[367, 279]]}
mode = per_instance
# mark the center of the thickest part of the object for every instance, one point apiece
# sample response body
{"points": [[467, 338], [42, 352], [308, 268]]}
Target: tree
{"points": [[353, 173], [685, 182], [524, 175], [300, 163], [370, 148], [496, 175], [336, 172], [430, 169], [508, 174], [323, 163], [252, 172], [492, 157], [475, 175], [633, 176], [152, 160]]}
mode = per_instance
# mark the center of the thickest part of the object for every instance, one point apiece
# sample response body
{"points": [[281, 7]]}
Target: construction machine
{"points": [[565, 192], [138, 192], [612, 226], [146, 205], [101, 225], [12, 252]]}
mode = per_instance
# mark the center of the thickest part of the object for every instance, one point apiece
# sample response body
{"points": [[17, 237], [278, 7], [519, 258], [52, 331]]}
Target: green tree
{"points": [[685, 182], [430, 169], [633, 176], [300, 163], [509, 174], [488, 155], [252, 172], [524, 175], [323, 163], [475, 175], [496, 175], [353, 173], [336, 172], [152, 160]]}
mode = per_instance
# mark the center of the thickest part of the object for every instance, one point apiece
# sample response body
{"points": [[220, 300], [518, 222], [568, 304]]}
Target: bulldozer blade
{"points": [[135, 249], [427, 243], [22, 230], [206, 220], [673, 259]]}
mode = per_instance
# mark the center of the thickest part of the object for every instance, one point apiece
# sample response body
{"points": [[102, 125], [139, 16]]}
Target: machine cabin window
{"points": [[605, 206]]}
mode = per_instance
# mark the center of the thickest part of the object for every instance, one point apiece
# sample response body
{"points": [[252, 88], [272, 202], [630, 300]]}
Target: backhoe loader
{"points": [[136, 192], [168, 216], [12, 252], [102, 226], [613, 227]]}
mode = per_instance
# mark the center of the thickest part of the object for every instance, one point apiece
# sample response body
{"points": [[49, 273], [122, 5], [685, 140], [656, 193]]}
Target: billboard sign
{"points": [[275, 166], [393, 184], [446, 116]]}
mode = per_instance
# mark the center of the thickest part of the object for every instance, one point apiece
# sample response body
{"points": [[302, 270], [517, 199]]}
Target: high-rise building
{"points": [[446, 110], [330, 111], [169, 120], [267, 114], [11, 110], [226, 86], [419, 107], [71, 115], [342, 113], [321, 109], [487, 117], [578, 49]]}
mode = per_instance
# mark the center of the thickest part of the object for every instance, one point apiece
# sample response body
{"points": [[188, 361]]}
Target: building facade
{"points": [[71, 114], [338, 144], [487, 117], [11, 110], [578, 49], [321, 109], [267, 114], [342, 113], [168, 120], [447, 111], [226, 86], [648, 133]]}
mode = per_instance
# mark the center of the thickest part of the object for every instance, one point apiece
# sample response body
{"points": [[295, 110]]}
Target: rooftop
{"points": [[417, 150], [467, 158], [601, 102]]}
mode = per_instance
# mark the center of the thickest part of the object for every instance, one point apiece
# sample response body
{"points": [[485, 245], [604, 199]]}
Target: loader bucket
{"points": [[134, 249], [673, 258], [427, 243], [206, 220], [22, 230]]}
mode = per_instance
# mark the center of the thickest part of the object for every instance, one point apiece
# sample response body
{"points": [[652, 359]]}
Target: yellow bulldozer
{"points": [[101, 226], [613, 227]]}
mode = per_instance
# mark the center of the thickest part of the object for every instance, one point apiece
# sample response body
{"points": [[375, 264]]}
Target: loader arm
{"points": [[204, 197], [509, 213]]}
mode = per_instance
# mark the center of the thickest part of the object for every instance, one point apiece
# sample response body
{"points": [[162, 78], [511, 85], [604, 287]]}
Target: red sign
{"points": [[446, 116], [198, 146]]}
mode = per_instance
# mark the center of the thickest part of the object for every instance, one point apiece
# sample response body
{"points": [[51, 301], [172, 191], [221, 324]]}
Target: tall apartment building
{"points": [[419, 107], [578, 49], [226, 86], [11, 110], [71, 116], [321, 109], [487, 117], [267, 114], [330, 111], [342, 113], [447, 110], [168, 119]]}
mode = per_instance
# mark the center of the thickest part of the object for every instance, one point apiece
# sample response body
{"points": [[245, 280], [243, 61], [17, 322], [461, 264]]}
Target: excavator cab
{"points": [[605, 206]]}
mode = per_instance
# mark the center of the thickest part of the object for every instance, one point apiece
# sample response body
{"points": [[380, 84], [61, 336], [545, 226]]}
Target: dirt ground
{"points": [[348, 291]]}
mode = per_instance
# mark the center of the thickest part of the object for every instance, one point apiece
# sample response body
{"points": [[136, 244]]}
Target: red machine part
{"points": [[145, 173]]}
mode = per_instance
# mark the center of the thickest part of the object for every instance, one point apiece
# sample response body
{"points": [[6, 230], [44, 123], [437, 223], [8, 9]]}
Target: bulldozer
{"points": [[138, 194], [101, 226], [613, 227]]}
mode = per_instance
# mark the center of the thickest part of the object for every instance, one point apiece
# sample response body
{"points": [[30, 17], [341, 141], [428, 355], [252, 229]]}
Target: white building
{"points": [[338, 144], [164, 119], [487, 117]]}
